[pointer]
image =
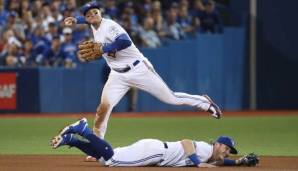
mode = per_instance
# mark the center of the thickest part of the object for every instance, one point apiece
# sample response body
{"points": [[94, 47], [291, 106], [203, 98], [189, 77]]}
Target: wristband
{"points": [[81, 20], [194, 158], [229, 162]]}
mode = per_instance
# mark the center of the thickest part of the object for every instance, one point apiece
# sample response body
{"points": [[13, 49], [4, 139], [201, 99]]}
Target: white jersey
{"points": [[107, 33], [175, 155], [148, 152]]}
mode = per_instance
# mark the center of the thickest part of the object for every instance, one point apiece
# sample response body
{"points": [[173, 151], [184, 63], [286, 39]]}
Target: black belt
{"points": [[126, 69], [165, 145]]}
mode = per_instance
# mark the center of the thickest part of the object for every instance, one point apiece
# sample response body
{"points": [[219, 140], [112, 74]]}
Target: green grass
{"points": [[263, 135]]}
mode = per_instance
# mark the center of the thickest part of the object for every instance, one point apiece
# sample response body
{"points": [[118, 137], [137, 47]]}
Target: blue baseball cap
{"points": [[228, 142], [84, 9]]}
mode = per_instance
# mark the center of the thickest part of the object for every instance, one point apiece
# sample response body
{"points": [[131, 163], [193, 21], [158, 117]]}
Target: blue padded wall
{"points": [[208, 64]]}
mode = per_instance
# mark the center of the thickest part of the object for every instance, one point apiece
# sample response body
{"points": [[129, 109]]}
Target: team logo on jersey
{"points": [[8, 91], [112, 54], [114, 31]]}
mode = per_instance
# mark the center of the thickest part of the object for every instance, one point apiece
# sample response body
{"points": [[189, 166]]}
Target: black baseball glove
{"points": [[249, 160]]}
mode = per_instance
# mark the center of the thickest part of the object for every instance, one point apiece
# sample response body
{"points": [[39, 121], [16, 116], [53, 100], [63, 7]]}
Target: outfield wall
{"points": [[211, 64]]}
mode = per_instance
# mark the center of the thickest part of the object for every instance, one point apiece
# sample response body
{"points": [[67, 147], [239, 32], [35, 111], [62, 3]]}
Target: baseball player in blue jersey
{"points": [[129, 68], [152, 152]]}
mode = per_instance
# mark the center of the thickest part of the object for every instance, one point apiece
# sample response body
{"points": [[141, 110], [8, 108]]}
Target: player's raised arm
{"points": [[190, 151], [70, 21]]}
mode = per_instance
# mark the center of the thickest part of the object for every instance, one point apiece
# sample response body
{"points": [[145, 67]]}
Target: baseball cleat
{"points": [[213, 109], [80, 127], [61, 140]]}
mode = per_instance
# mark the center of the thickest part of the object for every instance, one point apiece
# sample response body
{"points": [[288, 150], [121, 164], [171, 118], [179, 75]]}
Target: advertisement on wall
{"points": [[8, 91]]}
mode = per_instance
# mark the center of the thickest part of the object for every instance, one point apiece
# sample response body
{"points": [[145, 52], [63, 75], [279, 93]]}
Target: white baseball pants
{"points": [[144, 152], [144, 77]]}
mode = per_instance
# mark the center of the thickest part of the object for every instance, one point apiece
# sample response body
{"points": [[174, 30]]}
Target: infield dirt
{"points": [[76, 163]]}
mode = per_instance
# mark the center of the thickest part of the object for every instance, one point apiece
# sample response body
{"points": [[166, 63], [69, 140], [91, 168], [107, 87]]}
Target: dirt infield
{"points": [[75, 163]]}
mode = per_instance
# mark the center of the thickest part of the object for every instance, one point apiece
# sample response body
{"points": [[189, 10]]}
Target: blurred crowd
{"points": [[33, 33]]}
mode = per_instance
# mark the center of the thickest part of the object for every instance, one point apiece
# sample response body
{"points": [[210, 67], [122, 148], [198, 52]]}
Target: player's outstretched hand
{"points": [[206, 165], [70, 21], [249, 160]]}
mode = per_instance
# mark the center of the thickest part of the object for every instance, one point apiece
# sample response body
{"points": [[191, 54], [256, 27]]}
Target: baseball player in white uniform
{"points": [[151, 152], [129, 68]]}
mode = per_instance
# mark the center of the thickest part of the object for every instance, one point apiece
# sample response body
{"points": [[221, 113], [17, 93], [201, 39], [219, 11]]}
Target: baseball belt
{"points": [[126, 69]]}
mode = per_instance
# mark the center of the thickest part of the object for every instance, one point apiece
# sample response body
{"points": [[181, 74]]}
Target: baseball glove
{"points": [[249, 160], [89, 51]]}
